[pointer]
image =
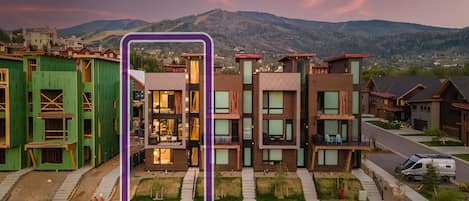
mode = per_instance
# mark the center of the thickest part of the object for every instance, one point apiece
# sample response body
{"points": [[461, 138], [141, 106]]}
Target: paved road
{"points": [[404, 148]]}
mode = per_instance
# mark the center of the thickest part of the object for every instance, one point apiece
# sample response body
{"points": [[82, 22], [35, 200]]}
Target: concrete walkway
{"points": [[368, 185], [409, 192], [68, 186], [188, 184], [9, 181], [307, 182], [248, 184], [106, 186]]}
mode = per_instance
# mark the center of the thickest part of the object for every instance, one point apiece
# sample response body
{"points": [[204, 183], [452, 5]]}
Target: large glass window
{"points": [[247, 156], [194, 102], [222, 103], [194, 72], [247, 101], [165, 130], [247, 72], [272, 156], [247, 128], [221, 156], [51, 155], [355, 72], [331, 127], [194, 129], [272, 127], [328, 157], [328, 102], [289, 130], [272, 102], [167, 102], [355, 102], [300, 157], [162, 156], [355, 137], [222, 127]]}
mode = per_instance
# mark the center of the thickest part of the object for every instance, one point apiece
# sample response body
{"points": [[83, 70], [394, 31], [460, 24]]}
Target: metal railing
{"points": [[378, 185]]}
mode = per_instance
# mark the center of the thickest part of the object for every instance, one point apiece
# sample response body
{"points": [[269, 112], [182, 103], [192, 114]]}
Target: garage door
{"points": [[420, 124]]}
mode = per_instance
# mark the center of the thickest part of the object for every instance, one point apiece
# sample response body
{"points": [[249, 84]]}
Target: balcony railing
{"points": [[226, 140], [319, 70], [276, 140], [333, 140], [155, 139]]}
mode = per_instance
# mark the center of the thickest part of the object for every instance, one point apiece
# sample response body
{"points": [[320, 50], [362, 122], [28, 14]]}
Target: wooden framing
{"points": [[86, 70], [5, 106], [52, 103], [54, 145], [87, 104], [32, 66]]}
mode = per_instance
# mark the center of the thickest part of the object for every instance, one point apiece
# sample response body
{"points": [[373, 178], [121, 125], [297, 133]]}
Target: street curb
{"points": [[424, 145]]}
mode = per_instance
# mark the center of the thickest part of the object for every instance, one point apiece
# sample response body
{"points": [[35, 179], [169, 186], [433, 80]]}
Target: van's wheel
{"points": [[410, 178], [446, 179]]}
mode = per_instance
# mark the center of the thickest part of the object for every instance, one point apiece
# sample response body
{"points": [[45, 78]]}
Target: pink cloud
{"points": [[312, 3], [355, 4], [223, 2], [31, 9]]}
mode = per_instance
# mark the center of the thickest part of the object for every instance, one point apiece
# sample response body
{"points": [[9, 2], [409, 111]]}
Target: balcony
{"points": [[155, 139], [226, 140], [334, 142], [322, 70], [276, 140]]}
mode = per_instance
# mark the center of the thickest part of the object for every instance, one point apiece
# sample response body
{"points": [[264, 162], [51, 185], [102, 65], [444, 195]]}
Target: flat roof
{"points": [[192, 54], [248, 56], [287, 56], [346, 56], [84, 56], [11, 58]]}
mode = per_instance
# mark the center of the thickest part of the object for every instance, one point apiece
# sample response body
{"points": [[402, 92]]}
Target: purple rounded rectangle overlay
{"points": [[125, 105]]}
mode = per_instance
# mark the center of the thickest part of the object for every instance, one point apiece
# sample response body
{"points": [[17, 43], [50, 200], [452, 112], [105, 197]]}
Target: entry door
{"points": [[247, 157], [194, 157]]}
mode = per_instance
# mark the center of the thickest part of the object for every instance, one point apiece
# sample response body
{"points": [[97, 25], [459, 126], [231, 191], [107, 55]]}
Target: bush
{"points": [[463, 186], [386, 125], [448, 195]]}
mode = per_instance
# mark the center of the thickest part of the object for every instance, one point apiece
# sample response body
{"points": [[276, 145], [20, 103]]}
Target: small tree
{"points": [[437, 134], [280, 181], [157, 189], [399, 176], [431, 179]]}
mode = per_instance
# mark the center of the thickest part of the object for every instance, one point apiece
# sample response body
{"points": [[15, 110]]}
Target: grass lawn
{"points": [[439, 143], [462, 156], [265, 189], [327, 189], [171, 187], [230, 187], [386, 125]]}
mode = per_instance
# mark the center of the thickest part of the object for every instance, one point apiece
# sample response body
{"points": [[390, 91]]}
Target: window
{"points": [[222, 127], [221, 156], [87, 128], [2, 156], [289, 130], [30, 128], [222, 104], [417, 166], [162, 156], [247, 101], [165, 130], [247, 72], [272, 127], [51, 155], [272, 102], [194, 72], [86, 70], [3, 101], [30, 101], [31, 69], [247, 128], [3, 130], [194, 102], [328, 102], [355, 72], [355, 102], [355, 134], [300, 157], [271, 156], [167, 102], [331, 127], [51, 100], [194, 129], [55, 129], [328, 157], [3, 76], [247, 156]]}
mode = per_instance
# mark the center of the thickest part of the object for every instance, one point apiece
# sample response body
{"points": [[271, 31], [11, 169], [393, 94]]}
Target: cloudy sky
{"points": [[60, 14]]}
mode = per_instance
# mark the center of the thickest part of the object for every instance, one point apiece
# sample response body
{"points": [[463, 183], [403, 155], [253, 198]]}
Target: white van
{"points": [[416, 166]]}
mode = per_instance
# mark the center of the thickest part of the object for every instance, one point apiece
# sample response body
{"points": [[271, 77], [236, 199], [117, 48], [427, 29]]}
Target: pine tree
{"points": [[431, 179]]}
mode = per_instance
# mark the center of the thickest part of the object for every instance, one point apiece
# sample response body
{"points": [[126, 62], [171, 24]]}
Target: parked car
{"points": [[416, 166]]}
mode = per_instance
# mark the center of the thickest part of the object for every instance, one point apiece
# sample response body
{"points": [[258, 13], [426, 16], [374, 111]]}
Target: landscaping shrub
{"points": [[386, 125], [463, 186]]}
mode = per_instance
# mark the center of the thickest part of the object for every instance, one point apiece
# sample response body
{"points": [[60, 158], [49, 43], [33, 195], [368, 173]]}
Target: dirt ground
{"points": [[35, 185], [90, 181], [3, 175]]}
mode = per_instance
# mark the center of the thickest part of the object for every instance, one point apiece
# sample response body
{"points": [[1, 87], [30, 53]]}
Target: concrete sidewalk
{"points": [[307, 182], [368, 184], [409, 192], [10, 180], [68, 186], [108, 183]]}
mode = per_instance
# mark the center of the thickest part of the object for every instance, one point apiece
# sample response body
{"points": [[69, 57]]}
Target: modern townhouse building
{"points": [[300, 115]]}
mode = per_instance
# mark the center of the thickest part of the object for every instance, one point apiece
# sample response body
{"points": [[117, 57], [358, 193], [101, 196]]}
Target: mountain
{"points": [[102, 25], [389, 43], [362, 28]]}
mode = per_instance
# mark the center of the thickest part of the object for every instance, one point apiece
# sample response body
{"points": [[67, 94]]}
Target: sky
{"points": [[62, 14]]}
